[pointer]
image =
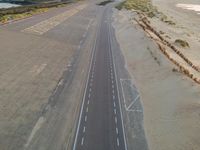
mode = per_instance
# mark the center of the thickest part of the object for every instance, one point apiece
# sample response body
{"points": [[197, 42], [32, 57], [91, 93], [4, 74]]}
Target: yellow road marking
{"points": [[50, 23]]}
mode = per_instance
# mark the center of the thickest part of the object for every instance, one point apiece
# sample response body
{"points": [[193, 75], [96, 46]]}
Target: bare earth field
{"points": [[171, 100]]}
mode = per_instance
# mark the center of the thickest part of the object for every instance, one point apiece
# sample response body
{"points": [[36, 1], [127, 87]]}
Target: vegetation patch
{"points": [[175, 70], [16, 13], [146, 7], [105, 2], [139, 5], [7, 18], [165, 19], [182, 43]]}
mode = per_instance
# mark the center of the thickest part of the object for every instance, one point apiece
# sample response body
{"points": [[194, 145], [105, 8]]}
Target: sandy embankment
{"points": [[186, 27], [171, 100]]}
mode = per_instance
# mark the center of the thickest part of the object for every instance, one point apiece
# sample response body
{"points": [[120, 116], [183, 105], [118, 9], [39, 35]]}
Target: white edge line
{"points": [[123, 93], [133, 102], [83, 101], [117, 90]]}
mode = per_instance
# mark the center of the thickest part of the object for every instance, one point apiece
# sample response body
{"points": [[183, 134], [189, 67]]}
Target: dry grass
{"points": [[6, 18], [139, 5], [182, 43], [146, 7], [17, 13], [165, 19], [104, 2]]}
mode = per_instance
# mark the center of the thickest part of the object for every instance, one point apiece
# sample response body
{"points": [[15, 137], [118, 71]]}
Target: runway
{"points": [[100, 125]]}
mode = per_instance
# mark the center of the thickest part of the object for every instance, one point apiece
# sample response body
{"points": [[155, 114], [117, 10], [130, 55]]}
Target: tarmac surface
{"points": [[100, 124], [61, 86]]}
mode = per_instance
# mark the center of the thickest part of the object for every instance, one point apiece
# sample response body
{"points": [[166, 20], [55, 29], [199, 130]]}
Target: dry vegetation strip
{"points": [[17, 13], [139, 5], [146, 7], [105, 2]]}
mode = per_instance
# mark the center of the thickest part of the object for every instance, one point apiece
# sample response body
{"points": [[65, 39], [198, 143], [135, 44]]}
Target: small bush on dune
{"points": [[182, 43], [140, 5]]}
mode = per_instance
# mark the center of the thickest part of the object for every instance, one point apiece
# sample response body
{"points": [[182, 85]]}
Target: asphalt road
{"points": [[40, 75], [100, 125], [60, 77]]}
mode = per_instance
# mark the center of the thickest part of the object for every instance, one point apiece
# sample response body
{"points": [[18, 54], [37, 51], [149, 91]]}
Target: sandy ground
{"points": [[186, 25], [170, 100]]}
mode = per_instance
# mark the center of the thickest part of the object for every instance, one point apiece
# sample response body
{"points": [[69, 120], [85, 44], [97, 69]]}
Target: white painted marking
{"points": [[133, 102], [120, 107], [81, 41], [85, 118], [46, 25], [113, 91], [84, 129], [89, 24], [37, 69], [116, 120], [37, 126], [90, 90], [82, 141], [79, 47], [123, 93], [115, 111], [88, 77], [114, 104], [113, 97], [88, 102], [117, 130], [112, 86], [135, 110], [117, 141], [84, 35], [87, 109]]}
